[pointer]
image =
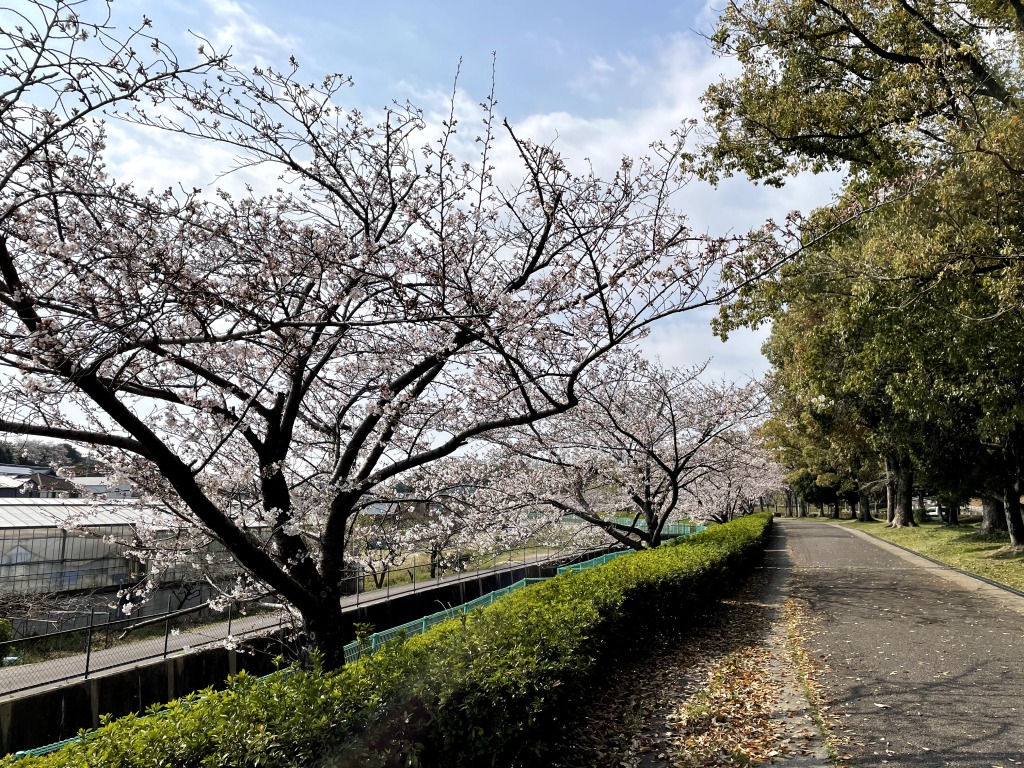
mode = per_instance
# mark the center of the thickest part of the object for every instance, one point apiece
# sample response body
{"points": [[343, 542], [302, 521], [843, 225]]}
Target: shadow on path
{"points": [[923, 668]]}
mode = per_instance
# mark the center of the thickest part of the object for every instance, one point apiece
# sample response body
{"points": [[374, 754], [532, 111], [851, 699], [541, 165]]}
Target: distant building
{"points": [[34, 482], [13, 487], [51, 545], [24, 470], [50, 486], [38, 556], [104, 487]]}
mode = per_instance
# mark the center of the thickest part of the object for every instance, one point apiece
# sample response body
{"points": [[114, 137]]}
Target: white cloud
{"points": [[234, 26]]}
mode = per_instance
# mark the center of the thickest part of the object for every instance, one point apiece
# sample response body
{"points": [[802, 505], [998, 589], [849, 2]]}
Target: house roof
{"points": [[55, 513], [93, 481], [53, 483]]}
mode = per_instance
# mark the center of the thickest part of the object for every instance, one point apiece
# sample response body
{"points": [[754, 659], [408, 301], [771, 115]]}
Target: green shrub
{"points": [[6, 631], [475, 692]]}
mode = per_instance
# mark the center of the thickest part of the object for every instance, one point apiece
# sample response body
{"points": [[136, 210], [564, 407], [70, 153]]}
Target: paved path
{"points": [[924, 664]]}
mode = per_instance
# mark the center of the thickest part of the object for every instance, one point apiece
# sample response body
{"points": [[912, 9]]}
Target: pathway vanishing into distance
{"points": [[924, 666]]}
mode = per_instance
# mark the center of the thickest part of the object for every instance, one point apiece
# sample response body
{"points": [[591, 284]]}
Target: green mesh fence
{"points": [[670, 529], [371, 643], [593, 562]]}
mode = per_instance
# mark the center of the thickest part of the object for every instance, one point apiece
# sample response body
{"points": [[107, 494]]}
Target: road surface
{"points": [[923, 664]]}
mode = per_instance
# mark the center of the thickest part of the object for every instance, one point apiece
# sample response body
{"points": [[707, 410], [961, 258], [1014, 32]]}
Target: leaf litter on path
{"points": [[722, 693]]}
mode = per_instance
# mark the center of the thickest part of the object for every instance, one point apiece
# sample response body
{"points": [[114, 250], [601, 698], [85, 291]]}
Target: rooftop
{"points": [[55, 513]]}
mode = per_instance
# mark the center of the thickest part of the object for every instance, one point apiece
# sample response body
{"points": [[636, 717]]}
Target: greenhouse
{"points": [[41, 553]]}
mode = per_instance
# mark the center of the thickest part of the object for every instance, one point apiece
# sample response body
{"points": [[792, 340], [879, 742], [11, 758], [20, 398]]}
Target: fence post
{"points": [[167, 624], [229, 618], [88, 642]]}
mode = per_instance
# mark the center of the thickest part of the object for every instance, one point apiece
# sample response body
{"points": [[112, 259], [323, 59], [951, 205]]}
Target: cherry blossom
{"points": [[269, 368]]}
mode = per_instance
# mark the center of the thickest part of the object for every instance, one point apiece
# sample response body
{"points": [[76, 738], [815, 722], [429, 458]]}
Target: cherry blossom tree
{"points": [[634, 448], [268, 367], [741, 475]]}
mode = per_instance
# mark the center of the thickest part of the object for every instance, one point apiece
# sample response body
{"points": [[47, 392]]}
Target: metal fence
{"points": [[106, 644], [102, 641], [421, 572], [373, 642]]}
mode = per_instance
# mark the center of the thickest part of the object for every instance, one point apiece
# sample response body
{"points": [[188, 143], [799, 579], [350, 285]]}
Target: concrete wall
{"points": [[43, 717]]}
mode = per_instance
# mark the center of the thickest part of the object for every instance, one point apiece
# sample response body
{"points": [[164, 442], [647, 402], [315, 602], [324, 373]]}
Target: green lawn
{"points": [[960, 547]]}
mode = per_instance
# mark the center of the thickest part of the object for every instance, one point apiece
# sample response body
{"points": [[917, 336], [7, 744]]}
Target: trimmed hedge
{"points": [[481, 690]]}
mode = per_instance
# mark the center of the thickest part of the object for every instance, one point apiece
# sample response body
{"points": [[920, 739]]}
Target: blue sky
{"points": [[601, 79]]}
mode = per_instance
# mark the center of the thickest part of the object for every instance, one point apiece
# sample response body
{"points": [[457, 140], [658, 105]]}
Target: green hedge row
{"points": [[483, 690]]}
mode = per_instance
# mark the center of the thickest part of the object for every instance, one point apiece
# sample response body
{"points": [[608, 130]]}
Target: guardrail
{"points": [[104, 644]]}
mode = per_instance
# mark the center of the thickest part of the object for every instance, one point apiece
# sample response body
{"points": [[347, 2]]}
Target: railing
{"points": [[417, 627], [368, 585], [374, 641], [103, 644]]}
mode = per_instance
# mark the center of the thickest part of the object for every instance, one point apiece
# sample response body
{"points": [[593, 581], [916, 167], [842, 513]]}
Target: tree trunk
{"points": [[326, 630], [903, 514], [1014, 522], [890, 492], [993, 516], [953, 515], [1011, 490], [864, 507], [835, 510]]}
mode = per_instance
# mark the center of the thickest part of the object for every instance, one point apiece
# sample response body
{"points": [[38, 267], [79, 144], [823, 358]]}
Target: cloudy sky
{"points": [[601, 78]]}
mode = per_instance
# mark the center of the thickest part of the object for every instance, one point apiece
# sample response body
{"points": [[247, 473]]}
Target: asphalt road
{"points": [[923, 665]]}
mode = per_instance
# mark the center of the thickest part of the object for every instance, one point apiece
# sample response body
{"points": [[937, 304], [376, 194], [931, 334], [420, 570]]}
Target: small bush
{"points": [[484, 691], [6, 631]]}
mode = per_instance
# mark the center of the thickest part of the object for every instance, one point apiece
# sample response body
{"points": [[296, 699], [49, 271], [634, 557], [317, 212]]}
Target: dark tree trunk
{"points": [[993, 516], [1014, 522], [864, 507], [953, 515], [890, 491], [834, 514], [327, 630], [903, 514], [1011, 490]]}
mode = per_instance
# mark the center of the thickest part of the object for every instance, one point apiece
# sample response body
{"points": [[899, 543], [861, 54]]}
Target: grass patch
{"points": [[962, 547]]}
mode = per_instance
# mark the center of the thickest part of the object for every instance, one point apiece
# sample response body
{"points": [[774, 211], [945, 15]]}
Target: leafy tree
{"points": [[882, 85]]}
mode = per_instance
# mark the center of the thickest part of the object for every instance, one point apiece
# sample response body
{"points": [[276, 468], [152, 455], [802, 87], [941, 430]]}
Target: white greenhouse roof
{"points": [[54, 513], [24, 470]]}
